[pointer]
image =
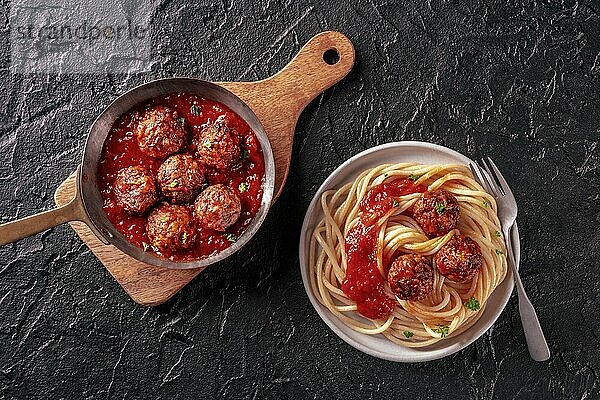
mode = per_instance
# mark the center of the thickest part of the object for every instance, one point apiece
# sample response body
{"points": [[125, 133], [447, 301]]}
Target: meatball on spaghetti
{"points": [[437, 212], [180, 177], [135, 189], [170, 227], [160, 132], [218, 145], [217, 207], [459, 259], [411, 277]]}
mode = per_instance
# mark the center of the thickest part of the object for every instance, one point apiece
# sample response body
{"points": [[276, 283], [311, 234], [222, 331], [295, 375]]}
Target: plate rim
{"points": [[327, 317]]}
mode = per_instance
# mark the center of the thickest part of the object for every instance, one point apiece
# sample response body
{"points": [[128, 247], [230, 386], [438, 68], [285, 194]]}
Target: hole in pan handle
{"points": [[331, 56]]}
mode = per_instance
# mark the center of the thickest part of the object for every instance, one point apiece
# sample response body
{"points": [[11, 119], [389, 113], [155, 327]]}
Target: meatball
{"points": [[437, 212], [180, 177], [160, 132], [135, 189], [218, 145], [411, 277], [217, 207], [459, 259], [171, 227]]}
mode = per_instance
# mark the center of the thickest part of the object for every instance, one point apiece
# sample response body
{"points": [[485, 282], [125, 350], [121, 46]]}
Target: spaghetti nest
{"points": [[450, 307]]}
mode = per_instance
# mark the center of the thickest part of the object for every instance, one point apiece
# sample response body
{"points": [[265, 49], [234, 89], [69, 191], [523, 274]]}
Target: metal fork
{"points": [[495, 184]]}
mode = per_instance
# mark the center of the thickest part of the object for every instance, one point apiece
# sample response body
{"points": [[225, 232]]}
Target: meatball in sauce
{"points": [[171, 227], [218, 145], [437, 212], [135, 189], [180, 177], [217, 207], [160, 131], [459, 259]]}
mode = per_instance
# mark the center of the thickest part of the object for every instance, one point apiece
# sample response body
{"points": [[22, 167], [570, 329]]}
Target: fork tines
{"points": [[489, 177]]}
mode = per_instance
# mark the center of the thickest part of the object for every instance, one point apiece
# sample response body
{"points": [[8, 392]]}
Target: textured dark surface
{"points": [[518, 80]]}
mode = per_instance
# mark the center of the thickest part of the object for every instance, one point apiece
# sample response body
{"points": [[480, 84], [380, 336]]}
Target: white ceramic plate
{"points": [[378, 345]]}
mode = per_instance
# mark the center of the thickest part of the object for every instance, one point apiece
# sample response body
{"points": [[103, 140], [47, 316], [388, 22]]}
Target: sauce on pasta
{"points": [[363, 282]]}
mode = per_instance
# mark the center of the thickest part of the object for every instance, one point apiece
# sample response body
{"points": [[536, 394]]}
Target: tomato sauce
{"points": [[121, 150], [363, 282]]}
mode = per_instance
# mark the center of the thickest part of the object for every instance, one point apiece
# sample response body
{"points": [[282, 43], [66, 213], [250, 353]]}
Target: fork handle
{"points": [[536, 342]]}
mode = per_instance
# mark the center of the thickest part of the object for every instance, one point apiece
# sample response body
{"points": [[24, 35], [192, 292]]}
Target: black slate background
{"points": [[517, 80]]}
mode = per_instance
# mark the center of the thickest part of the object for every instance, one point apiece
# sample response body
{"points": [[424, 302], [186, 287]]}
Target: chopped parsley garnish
{"points": [[396, 203], [207, 143], [497, 234], [245, 154], [485, 203], [145, 245], [231, 237], [174, 183], [204, 185], [181, 120], [184, 237], [498, 251], [243, 187], [413, 177], [442, 330], [408, 334], [440, 208], [195, 110], [472, 304]]}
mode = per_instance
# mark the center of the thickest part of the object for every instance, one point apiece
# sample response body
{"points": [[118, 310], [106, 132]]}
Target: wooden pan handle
{"points": [[323, 61]]}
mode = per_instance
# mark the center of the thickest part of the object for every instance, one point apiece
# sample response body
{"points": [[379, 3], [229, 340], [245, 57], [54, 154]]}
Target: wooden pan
{"points": [[277, 102]]}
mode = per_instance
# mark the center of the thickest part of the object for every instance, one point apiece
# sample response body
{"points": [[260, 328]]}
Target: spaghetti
{"points": [[450, 307]]}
